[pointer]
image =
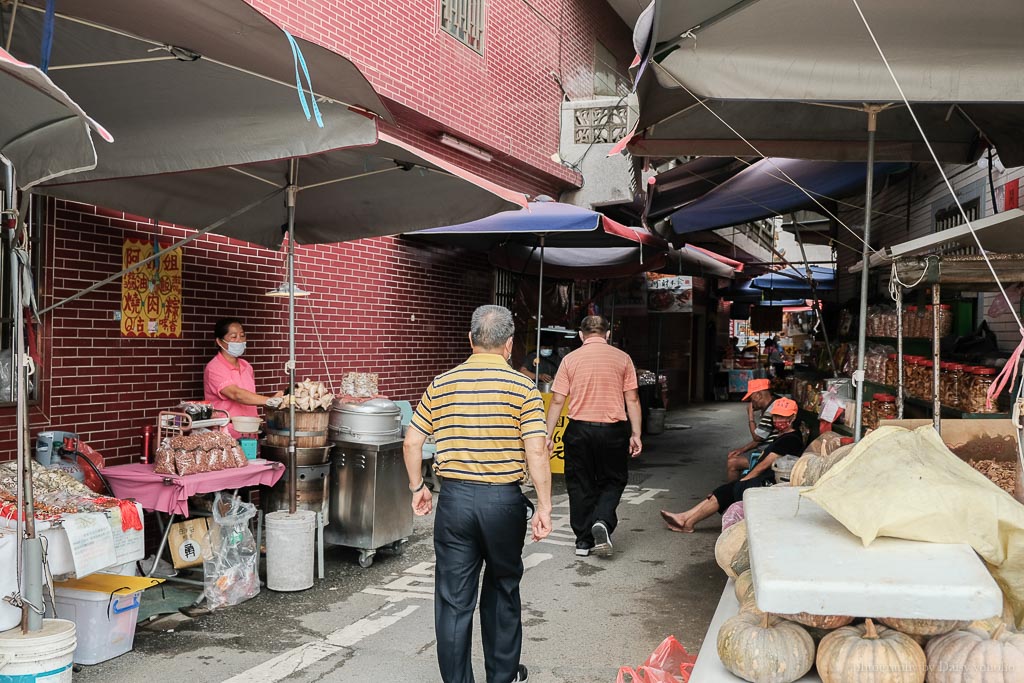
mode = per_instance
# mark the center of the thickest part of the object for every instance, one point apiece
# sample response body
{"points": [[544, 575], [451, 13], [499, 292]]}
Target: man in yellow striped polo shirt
{"points": [[488, 423]]}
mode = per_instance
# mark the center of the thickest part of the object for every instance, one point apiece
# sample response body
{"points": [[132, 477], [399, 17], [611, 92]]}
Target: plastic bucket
{"points": [[10, 616], [44, 655], [290, 547], [656, 421]]}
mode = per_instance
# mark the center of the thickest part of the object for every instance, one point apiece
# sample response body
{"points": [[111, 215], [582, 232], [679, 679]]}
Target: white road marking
{"points": [[414, 583], [301, 657]]}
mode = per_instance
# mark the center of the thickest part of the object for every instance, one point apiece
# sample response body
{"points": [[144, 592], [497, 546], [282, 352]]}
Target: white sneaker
{"points": [[602, 539]]}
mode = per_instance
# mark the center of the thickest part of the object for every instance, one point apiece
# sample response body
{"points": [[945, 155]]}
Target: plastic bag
{"points": [[230, 555], [733, 514], [669, 663]]}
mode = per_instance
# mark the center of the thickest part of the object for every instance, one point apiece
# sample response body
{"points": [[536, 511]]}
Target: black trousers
{"points": [[732, 492], [596, 472], [478, 526]]}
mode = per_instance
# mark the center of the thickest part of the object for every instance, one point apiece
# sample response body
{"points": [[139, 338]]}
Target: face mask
{"points": [[546, 352], [235, 349]]}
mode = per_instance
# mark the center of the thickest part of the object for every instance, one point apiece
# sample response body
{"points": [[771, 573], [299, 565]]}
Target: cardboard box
{"points": [[186, 541]]}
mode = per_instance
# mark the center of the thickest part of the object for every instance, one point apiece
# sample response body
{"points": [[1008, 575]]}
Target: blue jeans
{"points": [[478, 526]]}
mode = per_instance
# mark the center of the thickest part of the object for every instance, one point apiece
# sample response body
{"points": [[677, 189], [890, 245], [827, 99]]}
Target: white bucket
{"points": [[290, 549], [43, 655], [10, 616]]}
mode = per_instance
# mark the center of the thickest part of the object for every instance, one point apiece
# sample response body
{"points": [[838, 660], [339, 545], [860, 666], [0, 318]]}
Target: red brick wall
{"points": [[504, 100], [366, 293], [379, 305]]}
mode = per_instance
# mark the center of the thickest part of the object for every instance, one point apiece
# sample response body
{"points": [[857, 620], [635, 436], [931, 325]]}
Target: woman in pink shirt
{"points": [[228, 381]]}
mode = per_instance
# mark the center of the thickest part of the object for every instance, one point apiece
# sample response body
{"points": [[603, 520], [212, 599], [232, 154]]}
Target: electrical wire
{"points": [[702, 102], [1009, 371]]}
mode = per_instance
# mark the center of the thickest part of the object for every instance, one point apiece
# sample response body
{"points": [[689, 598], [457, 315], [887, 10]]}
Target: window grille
{"points": [[600, 125], [951, 217], [464, 19], [608, 82], [504, 290]]}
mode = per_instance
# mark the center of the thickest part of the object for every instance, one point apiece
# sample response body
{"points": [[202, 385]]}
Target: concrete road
{"points": [[583, 617]]}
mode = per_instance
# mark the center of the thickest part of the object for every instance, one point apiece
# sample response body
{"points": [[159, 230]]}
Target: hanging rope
{"points": [[47, 43], [1009, 372], [300, 62]]}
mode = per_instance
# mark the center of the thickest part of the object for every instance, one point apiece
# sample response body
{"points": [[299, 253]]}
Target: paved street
{"points": [[583, 617]]}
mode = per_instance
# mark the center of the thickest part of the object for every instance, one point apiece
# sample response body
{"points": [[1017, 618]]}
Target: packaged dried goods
{"points": [[926, 386]]}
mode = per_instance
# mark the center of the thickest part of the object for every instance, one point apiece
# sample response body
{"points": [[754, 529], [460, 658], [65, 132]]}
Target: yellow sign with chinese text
{"points": [[151, 295], [558, 454]]}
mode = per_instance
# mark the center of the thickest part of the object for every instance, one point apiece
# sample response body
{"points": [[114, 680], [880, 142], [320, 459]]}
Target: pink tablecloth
{"points": [[170, 494]]}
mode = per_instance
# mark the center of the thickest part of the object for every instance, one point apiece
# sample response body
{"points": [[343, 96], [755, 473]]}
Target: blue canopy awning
{"points": [[762, 190], [794, 279], [563, 225]]}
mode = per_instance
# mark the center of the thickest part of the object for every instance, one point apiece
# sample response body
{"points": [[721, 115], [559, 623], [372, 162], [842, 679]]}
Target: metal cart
{"points": [[370, 503]]}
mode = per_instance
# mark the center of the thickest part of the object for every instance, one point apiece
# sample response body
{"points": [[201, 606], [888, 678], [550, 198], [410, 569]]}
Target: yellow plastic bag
{"points": [[907, 484]]}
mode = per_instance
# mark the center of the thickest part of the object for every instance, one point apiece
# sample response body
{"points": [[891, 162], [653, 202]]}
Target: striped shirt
{"points": [[479, 413], [594, 378]]}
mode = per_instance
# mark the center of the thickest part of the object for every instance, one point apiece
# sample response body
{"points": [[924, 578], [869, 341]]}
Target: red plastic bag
{"points": [[669, 663]]}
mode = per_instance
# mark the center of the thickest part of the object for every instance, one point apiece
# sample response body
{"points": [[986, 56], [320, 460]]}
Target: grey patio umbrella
{"points": [[334, 196], [197, 84], [803, 79], [43, 134]]}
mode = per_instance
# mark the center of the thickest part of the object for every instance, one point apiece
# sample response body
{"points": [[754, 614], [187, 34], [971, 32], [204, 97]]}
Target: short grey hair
{"points": [[491, 326], [594, 324]]}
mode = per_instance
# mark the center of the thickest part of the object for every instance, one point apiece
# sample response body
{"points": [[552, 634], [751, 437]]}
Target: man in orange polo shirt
{"points": [[600, 381]]}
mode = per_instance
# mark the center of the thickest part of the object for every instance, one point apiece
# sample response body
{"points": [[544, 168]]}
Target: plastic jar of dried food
{"points": [[890, 370], [868, 419], [884, 406], [911, 326], [982, 380], [912, 375], [954, 383], [927, 382]]}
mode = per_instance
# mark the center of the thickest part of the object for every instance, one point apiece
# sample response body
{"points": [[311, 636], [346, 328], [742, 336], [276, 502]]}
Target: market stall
{"points": [[829, 562]]}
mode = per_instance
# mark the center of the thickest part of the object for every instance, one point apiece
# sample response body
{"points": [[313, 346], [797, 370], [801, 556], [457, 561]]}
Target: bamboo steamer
{"points": [[310, 427]]}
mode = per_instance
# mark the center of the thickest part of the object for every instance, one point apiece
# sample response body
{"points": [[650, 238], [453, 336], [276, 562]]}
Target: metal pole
{"points": [[292, 459], [936, 351], [858, 377], [899, 351], [540, 314]]}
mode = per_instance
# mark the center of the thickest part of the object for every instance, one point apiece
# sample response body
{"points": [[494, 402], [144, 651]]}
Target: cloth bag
{"points": [[926, 494]]}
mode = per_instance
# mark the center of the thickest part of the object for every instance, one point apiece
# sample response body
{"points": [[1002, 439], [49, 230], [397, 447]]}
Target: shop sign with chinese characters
{"points": [[151, 296], [669, 293]]}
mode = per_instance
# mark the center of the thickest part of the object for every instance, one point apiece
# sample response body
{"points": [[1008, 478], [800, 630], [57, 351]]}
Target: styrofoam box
{"points": [[105, 624]]}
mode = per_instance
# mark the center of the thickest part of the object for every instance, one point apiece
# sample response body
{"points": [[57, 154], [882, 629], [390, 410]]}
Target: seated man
{"points": [[788, 442], [762, 430]]}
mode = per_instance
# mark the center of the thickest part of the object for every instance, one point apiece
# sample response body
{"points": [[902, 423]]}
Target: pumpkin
{"points": [[822, 621], [762, 648], [825, 443], [923, 627], [798, 474], [731, 547], [1007, 617], [869, 654], [744, 585], [972, 654], [829, 461]]}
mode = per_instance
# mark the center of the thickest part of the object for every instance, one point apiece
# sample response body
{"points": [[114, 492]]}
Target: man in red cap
{"points": [[762, 429], [789, 441]]}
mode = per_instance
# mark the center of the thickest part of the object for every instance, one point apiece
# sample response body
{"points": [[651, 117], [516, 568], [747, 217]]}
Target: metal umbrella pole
{"points": [[31, 560], [540, 312], [292, 459], [858, 377]]}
